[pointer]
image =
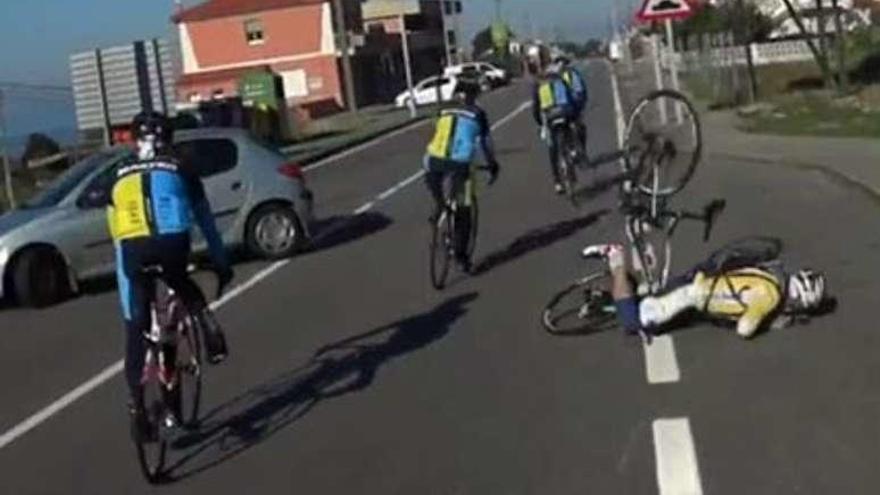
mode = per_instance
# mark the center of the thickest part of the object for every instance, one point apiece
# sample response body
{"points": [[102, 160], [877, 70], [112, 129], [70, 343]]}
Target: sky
{"points": [[38, 36]]}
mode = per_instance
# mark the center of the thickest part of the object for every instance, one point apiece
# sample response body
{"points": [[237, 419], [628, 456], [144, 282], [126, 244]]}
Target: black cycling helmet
{"points": [[468, 88], [561, 59], [152, 123]]}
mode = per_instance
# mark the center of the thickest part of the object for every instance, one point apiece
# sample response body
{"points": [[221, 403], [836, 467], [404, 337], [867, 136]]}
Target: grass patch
{"points": [[817, 113]]}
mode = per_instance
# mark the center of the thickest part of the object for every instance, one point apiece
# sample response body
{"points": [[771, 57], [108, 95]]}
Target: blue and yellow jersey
{"points": [[457, 134], [577, 84], [148, 199], [748, 296], [553, 93]]}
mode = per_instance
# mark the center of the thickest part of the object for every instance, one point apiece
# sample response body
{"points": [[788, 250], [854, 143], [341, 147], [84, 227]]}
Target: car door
{"points": [[216, 160], [86, 222], [424, 91]]}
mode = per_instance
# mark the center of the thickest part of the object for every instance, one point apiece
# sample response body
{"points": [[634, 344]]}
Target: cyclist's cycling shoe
{"points": [[215, 341], [141, 430], [559, 188], [610, 253], [466, 265], [215, 345]]}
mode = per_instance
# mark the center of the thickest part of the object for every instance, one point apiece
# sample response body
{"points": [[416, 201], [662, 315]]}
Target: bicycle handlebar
{"points": [[707, 216]]}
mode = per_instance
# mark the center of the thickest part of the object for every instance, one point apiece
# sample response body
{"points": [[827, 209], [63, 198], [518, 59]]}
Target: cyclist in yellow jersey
{"points": [[753, 297]]}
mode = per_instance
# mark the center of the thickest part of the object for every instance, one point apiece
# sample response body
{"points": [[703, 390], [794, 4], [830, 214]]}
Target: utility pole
{"points": [[841, 47], [404, 42], [7, 173], [343, 39], [443, 5]]}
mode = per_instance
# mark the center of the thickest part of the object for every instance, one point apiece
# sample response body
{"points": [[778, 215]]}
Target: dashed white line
{"points": [[112, 370], [676, 458], [364, 208], [368, 144], [661, 365]]}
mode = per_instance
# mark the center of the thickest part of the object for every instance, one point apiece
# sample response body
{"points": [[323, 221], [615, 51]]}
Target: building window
{"points": [[253, 32], [451, 39]]}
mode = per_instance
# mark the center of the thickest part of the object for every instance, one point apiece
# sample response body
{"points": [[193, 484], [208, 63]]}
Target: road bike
{"points": [[571, 154], [452, 228], [171, 381], [587, 305]]}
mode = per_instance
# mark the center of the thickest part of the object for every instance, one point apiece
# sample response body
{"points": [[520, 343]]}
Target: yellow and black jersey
{"points": [[748, 296]]}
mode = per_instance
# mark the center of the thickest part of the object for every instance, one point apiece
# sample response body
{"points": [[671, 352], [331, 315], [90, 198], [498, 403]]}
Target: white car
{"points": [[425, 92], [495, 76]]}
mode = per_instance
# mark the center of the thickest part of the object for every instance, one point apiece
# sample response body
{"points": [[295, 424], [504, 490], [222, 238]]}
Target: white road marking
{"points": [[66, 400], [112, 370], [364, 208], [677, 470], [369, 144], [661, 365], [618, 106]]}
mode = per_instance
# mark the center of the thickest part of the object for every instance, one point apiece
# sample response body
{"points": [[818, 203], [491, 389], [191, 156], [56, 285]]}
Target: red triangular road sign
{"points": [[658, 10]]}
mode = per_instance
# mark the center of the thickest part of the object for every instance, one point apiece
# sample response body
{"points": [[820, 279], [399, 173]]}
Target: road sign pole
{"points": [[404, 43], [671, 62], [658, 74]]}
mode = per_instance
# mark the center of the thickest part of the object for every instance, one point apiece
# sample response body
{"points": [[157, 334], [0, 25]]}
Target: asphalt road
{"points": [[349, 374]]}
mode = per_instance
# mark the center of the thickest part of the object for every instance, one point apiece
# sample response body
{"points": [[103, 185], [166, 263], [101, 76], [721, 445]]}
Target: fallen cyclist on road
{"points": [[752, 294], [150, 211], [459, 131]]}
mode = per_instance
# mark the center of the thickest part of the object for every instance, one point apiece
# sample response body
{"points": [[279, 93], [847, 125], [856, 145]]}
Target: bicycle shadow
{"points": [[336, 231], [537, 239], [336, 369]]}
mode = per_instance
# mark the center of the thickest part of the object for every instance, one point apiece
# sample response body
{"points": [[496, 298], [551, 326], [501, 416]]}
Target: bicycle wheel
{"points": [[152, 444], [441, 250], [189, 371], [585, 306], [663, 143], [569, 154], [474, 230]]}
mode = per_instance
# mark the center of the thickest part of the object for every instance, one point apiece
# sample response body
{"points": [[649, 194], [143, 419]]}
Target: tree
{"points": [[42, 146], [482, 42]]}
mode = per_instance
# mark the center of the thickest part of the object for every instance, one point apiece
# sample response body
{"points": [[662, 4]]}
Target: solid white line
{"points": [[373, 142], [364, 208], [677, 469], [112, 370], [618, 106], [661, 365], [68, 398]]}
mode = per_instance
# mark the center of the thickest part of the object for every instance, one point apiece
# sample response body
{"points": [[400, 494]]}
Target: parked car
{"points": [[425, 92], [493, 75], [59, 238]]}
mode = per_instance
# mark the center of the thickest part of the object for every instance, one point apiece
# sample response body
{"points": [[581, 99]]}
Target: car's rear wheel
{"points": [[274, 232], [39, 278]]}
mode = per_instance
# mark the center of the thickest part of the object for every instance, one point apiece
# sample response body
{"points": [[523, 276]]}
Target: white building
{"points": [[776, 10]]}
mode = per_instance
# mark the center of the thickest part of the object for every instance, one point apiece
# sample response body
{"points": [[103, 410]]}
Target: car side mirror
{"points": [[93, 198]]}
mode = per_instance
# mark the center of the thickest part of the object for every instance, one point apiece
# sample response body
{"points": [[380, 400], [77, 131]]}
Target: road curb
{"points": [[831, 173]]}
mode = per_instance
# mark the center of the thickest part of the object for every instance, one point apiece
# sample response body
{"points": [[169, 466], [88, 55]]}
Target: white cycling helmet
{"points": [[806, 290]]}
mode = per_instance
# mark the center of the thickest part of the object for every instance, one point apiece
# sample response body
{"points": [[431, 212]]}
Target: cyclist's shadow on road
{"points": [[336, 369], [537, 239]]}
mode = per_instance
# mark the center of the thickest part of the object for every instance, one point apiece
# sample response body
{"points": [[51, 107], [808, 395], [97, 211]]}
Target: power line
{"points": [[15, 85]]}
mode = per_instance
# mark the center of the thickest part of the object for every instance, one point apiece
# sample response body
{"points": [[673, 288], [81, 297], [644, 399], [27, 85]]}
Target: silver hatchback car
{"points": [[59, 238]]}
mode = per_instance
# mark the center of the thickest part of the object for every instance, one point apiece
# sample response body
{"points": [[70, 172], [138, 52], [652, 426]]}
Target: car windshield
{"points": [[67, 182]]}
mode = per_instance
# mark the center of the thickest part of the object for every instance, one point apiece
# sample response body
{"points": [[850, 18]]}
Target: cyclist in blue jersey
{"points": [[575, 80], [552, 100], [460, 132], [151, 206]]}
